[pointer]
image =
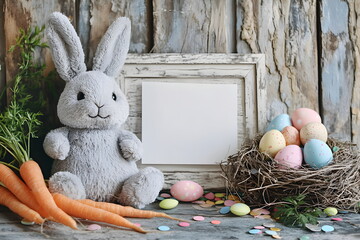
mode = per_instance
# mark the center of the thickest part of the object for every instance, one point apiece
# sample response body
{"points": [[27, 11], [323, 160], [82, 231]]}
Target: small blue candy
{"points": [[225, 210], [163, 228], [255, 231]]}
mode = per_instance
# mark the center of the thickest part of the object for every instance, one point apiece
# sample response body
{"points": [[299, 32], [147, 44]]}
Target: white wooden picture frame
{"points": [[247, 71]]}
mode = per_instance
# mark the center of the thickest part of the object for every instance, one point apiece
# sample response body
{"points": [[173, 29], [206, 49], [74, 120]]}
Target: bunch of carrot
{"points": [[31, 199]]}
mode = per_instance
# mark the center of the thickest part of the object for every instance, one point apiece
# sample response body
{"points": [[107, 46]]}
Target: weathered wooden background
{"points": [[311, 46]]}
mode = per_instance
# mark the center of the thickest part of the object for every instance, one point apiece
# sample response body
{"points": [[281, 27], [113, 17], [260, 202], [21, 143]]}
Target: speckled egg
{"points": [[313, 130], [279, 122], [291, 135], [272, 142], [168, 203], [186, 191], [317, 153], [289, 157], [303, 116]]}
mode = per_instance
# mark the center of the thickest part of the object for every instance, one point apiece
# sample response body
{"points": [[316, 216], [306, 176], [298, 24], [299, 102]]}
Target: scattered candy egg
{"points": [[291, 135], [26, 222], [255, 231], [279, 122], [219, 195], [184, 224], [240, 209], [165, 195], [224, 210], [330, 211], [303, 116], [313, 130], [198, 218], [270, 232], [215, 222], [337, 219], [289, 157], [164, 228], [186, 191], [209, 196], [327, 228], [93, 227], [168, 203], [229, 203], [317, 153], [272, 142], [259, 227]]}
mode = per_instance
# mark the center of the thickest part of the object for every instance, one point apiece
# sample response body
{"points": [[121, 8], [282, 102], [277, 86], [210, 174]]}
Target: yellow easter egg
{"points": [[272, 142], [168, 203]]}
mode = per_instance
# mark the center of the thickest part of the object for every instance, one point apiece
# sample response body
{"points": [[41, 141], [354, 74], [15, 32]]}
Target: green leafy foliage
{"points": [[19, 122], [295, 212]]}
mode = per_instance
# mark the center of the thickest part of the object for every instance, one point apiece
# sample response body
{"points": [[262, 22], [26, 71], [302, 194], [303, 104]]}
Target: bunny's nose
{"points": [[98, 105]]}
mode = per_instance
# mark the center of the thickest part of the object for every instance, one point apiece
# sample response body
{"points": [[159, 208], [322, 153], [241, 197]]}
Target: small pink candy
{"points": [[93, 227], [165, 195], [217, 199], [184, 224], [259, 227], [229, 203], [199, 202], [137, 224], [209, 196], [198, 218], [336, 219]]}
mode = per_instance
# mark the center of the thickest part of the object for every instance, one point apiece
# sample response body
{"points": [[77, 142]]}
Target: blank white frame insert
{"points": [[189, 123]]}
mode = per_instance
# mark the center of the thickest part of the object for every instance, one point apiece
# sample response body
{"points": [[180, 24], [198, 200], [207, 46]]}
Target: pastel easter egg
{"points": [[289, 157], [317, 153], [303, 116], [279, 122], [186, 191], [313, 130], [240, 209], [291, 135], [168, 203], [272, 142], [330, 211]]}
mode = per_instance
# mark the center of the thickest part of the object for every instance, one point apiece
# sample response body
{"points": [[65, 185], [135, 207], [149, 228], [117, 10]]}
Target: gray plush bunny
{"points": [[93, 156]]}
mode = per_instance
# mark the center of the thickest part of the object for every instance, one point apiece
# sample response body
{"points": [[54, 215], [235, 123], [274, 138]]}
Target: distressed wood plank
{"points": [[337, 68], [22, 14], [83, 25], [194, 26], [286, 32], [2, 56], [206, 179], [354, 32], [104, 12]]}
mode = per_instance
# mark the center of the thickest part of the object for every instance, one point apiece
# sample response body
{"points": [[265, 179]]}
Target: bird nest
{"points": [[256, 176]]}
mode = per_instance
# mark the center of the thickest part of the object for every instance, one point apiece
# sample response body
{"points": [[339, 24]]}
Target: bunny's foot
{"points": [[142, 188], [67, 184]]}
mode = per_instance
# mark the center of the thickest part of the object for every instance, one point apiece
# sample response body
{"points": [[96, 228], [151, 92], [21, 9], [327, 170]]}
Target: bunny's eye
{"points": [[114, 96], [80, 96]]}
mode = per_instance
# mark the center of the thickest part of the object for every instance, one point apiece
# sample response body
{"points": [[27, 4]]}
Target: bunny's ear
{"points": [[112, 50], [65, 46]]}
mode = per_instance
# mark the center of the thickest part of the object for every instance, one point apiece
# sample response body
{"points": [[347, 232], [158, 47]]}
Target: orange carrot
{"points": [[126, 211], [80, 210], [17, 187], [33, 177], [9, 200]]}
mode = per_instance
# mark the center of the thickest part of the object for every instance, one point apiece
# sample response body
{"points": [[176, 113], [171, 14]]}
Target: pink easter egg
{"points": [[291, 135], [186, 191], [289, 157], [303, 116]]}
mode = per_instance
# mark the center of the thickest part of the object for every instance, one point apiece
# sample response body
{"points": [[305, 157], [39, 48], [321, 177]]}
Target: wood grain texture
{"points": [[2, 56], [104, 12], [194, 26], [337, 71], [286, 32], [22, 14], [354, 32]]}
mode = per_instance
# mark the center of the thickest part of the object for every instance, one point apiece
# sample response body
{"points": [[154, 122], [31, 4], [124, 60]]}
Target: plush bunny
{"points": [[93, 156]]}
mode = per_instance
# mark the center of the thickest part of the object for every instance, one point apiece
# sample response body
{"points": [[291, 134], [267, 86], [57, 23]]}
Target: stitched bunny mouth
{"points": [[98, 115]]}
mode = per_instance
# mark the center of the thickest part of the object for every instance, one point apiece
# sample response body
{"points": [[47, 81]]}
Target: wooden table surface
{"points": [[231, 227]]}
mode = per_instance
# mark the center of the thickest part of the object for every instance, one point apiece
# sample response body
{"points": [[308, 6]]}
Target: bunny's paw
{"points": [[56, 146], [131, 150]]}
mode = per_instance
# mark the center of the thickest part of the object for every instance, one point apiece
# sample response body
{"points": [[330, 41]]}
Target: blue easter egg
{"points": [[279, 122], [317, 153]]}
